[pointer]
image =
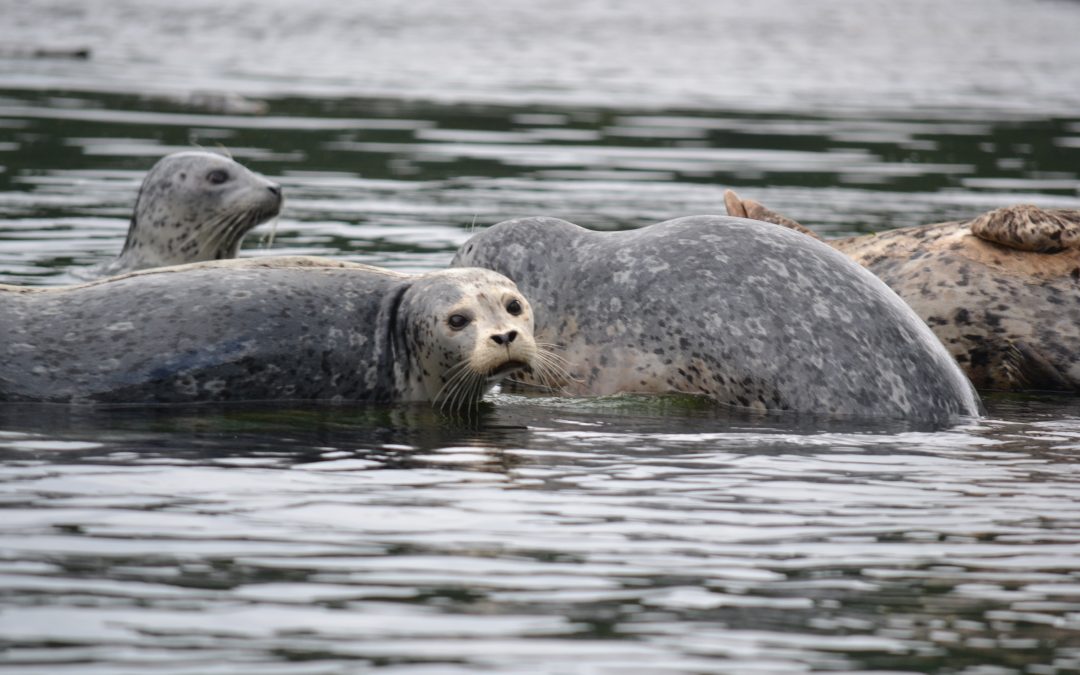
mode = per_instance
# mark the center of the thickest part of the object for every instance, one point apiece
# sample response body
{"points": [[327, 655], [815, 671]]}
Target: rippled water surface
{"points": [[648, 535]]}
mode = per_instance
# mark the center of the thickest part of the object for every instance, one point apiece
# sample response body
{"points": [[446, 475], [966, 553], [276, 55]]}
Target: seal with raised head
{"points": [[266, 329], [193, 206], [747, 313], [1001, 291]]}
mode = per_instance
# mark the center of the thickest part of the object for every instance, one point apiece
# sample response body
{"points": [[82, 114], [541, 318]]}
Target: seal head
{"points": [[464, 330], [194, 206]]}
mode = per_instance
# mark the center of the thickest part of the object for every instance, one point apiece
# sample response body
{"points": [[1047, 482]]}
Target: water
{"points": [[651, 535]]}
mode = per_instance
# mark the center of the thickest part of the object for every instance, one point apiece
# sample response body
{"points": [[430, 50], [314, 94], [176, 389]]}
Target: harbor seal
{"points": [[1001, 291], [747, 313], [193, 206], [266, 329]]}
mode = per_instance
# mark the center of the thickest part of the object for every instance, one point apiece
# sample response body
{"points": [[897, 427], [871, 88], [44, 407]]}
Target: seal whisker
{"points": [[226, 244], [467, 392], [549, 371], [556, 365], [268, 240], [449, 381], [551, 357], [457, 378], [220, 228]]}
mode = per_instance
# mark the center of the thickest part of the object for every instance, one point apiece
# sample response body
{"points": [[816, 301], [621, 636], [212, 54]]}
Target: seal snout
{"points": [[504, 338]]}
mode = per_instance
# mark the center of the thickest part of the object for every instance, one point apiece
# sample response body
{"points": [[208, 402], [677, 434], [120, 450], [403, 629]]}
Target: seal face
{"points": [[193, 206], [1000, 291], [264, 329], [748, 313]]}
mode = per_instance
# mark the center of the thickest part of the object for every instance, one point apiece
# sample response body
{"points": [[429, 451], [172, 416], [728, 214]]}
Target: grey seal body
{"points": [[192, 206], [1001, 291], [264, 329], [748, 313]]}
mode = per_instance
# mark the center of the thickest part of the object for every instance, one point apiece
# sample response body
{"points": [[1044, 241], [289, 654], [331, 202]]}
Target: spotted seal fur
{"points": [[193, 206], [750, 314], [265, 329], [1001, 291]]}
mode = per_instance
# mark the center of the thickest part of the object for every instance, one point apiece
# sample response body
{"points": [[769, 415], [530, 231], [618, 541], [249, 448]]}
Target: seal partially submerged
{"points": [[193, 206], [264, 329], [1001, 291], [750, 314]]}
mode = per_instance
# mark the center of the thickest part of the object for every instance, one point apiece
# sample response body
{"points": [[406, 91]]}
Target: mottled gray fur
{"points": [[1000, 291], [748, 313], [262, 329]]}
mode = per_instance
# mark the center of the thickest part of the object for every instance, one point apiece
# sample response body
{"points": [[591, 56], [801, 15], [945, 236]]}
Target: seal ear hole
{"points": [[217, 176], [514, 307], [458, 321]]}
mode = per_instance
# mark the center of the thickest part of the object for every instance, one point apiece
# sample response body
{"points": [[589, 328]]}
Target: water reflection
{"points": [[589, 533]]}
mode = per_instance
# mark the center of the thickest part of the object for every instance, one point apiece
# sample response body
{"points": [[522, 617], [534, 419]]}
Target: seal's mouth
{"points": [[505, 369]]}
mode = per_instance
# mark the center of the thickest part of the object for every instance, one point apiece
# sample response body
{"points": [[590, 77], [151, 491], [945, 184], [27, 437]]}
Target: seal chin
{"points": [[499, 372]]}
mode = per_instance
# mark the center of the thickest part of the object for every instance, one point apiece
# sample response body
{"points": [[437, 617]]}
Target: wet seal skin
{"points": [[747, 313], [1001, 291], [192, 206], [266, 329]]}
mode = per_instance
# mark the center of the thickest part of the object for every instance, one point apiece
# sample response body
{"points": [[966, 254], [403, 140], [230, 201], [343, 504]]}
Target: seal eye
{"points": [[514, 307], [217, 176], [458, 321]]}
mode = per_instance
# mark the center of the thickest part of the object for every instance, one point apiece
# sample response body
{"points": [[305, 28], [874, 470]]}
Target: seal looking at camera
{"points": [[266, 329]]}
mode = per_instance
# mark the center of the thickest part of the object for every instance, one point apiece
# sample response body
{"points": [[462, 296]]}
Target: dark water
{"points": [[649, 535]]}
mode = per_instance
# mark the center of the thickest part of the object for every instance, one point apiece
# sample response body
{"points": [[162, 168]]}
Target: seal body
{"points": [[1001, 291], [193, 206], [748, 313], [264, 329]]}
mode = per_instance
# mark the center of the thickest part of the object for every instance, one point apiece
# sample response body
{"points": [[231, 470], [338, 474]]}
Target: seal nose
{"points": [[505, 338], [274, 189]]}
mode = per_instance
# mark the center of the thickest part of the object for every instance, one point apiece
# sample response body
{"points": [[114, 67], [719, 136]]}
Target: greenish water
{"points": [[651, 535]]}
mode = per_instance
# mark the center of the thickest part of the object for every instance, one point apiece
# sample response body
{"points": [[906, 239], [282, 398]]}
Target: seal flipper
{"points": [[1027, 369], [748, 208], [1028, 228]]}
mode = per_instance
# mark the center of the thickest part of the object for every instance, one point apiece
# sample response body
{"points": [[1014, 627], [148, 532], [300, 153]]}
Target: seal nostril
{"points": [[510, 336], [275, 189]]}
